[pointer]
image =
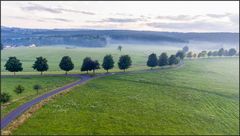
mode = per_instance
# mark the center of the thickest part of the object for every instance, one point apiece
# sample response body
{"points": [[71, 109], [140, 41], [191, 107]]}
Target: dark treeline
{"points": [[164, 60], [14, 65], [216, 53], [41, 64]]}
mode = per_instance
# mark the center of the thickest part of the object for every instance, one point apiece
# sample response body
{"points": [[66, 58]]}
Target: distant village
{"points": [[14, 46]]}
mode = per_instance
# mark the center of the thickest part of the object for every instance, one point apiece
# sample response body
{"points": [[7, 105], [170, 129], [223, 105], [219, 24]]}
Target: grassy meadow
{"points": [[202, 97], [48, 83], [27, 56]]}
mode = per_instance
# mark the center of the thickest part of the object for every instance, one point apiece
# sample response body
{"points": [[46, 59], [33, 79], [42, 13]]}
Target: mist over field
{"points": [[14, 37]]}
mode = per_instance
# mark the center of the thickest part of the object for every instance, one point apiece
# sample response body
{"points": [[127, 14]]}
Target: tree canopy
{"points": [[40, 64], [86, 65], [180, 54], [124, 62], [163, 59], [89, 64], [152, 60], [13, 65], [66, 64], [173, 60], [232, 52], [108, 62], [209, 53], [221, 52], [94, 65]]}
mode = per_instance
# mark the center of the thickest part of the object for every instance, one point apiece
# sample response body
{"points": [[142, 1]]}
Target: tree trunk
{"points": [[93, 71], [87, 71], [107, 70], [65, 72], [151, 68], [41, 73], [14, 73], [124, 70]]}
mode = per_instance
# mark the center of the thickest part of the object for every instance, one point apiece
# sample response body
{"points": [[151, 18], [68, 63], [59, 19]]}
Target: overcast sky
{"points": [[181, 16]]}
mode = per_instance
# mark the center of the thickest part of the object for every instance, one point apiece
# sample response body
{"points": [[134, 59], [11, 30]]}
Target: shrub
{"points": [[4, 97], [37, 87], [19, 89]]}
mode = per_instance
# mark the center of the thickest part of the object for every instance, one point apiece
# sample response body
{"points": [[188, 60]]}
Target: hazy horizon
{"points": [[113, 29]]}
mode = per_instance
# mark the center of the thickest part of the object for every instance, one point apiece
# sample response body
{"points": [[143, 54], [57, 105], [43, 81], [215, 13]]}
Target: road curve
{"points": [[19, 110], [84, 78]]}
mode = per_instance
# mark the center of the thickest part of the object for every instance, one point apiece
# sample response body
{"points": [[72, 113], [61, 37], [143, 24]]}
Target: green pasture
{"points": [[27, 56], [47, 83], [202, 97]]}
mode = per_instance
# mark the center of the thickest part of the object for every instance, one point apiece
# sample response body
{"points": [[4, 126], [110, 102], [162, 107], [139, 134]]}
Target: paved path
{"points": [[84, 78], [18, 111]]}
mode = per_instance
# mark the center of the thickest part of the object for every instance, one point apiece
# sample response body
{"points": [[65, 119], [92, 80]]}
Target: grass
{"points": [[48, 83], [200, 98], [54, 55]]}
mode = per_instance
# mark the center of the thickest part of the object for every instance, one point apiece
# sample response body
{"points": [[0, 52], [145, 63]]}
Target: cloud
{"points": [[118, 20], [37, 7], [17, 17], [218, 15], [42, 19], [189, 18], [123, 14], [59, 19], [76, 11], [193, 26], [179, 17]]}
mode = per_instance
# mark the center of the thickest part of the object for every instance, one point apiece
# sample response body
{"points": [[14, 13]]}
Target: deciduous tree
{"points": [[108, 62], [40, 64], [66, 64], [13, 65], [180, 54], [163, 59], [86, 65], [94, 65], [173, 60], [124, 62], [221, 52], [232, 52], [152, 60]]}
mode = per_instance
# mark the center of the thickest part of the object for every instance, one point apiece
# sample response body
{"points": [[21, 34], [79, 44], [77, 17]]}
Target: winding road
{"points": [[21, 109], [83, 78]]}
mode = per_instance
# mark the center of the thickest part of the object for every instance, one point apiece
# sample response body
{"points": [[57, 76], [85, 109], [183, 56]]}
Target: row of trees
{"points": [[220, 52], [163, 60], [14, 65]]}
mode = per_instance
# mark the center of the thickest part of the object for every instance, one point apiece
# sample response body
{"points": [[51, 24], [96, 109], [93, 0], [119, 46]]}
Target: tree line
{"points": [[220, 52], [41, 64], [164, 60]]}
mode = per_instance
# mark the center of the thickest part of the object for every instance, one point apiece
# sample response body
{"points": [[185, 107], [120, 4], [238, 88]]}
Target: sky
{"points": [[177, 16]]}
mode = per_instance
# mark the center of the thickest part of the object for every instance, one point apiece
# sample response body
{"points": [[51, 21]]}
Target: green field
{"points": [[48, 83], [54, 54], [202, 97]]}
